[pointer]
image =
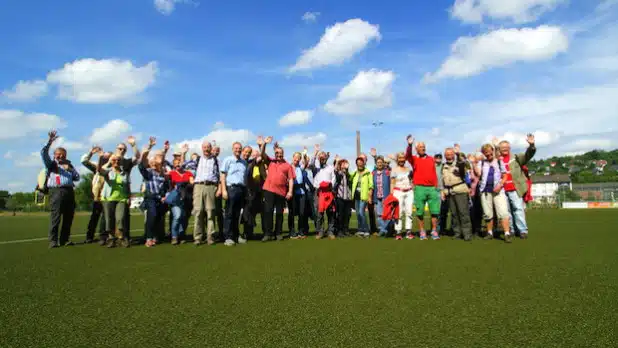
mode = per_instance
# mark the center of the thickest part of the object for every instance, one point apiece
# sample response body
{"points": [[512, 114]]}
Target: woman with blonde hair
{"points": [[401, 185]]}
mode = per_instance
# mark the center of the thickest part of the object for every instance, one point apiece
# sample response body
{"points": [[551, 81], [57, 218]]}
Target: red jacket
{"points": [[391, 208], [326, 197]]}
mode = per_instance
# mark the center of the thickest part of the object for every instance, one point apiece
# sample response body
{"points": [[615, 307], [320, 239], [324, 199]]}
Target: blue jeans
{"points": [[178, 217], [360, 206], [518, 214], [382, 225]]}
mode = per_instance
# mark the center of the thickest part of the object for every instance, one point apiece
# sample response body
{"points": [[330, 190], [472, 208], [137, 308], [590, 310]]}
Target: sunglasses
{"points": [[121, 148]]}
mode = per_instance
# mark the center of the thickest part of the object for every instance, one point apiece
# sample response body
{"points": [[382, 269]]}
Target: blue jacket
{"points": [[386, 184]]}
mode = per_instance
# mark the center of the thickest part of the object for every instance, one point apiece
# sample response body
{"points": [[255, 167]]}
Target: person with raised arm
{"points": [[156, 185], [127, 165], [233, 190], [254, 196], [205, 188], [456, 192], [96, 216], [425, 180], [297, 204], [516, 185], [181, 181], [60, 181], [323, 180], [115, 196], [491, 187], [402, 190], [278, 188]]}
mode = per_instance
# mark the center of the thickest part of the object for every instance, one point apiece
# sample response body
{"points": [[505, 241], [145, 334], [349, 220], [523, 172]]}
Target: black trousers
{"points": [[233, 206], [372, 217], [273, 203], [219, 212], [96, 218], [320, 217], [62, 205], [343, 211], [254, 205], [155, 218], [443, 218], [297, 207], [476, 215]]}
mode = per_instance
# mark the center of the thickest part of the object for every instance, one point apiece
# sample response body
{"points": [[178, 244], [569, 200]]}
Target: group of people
{"points": [[490, 186]]}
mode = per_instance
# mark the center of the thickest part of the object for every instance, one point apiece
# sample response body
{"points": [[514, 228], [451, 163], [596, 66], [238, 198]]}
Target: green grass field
{"points": [[557, 289]]}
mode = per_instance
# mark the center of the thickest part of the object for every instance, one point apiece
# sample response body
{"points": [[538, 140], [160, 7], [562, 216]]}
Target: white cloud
{"points": [[31, 160], [15, 184], [339, 43], [166, 7], [435, 131], [591, 144], [473, 55], [69, 145], [218, 125], [223, 137], [26, 91], [17, 124], [9, 155], [517, 11], [369, 90], [518, 140], [114, 130], [103, 81], [303, 139], [295, 118], [310, 17]]}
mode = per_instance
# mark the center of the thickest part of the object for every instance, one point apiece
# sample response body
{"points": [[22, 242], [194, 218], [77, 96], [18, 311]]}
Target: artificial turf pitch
{"points": [[557, 289]]}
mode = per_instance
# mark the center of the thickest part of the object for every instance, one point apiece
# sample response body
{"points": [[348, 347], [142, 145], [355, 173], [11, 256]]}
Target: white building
{"points": [[544, 187]]}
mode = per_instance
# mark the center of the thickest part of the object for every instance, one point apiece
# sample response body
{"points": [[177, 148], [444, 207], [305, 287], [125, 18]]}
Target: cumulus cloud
{"points": [[296, 118], [114, 130], [474, 55], [303, 139], [339, 43], [517, 11], [223, 137], [33, 159], [166, 7], [17, 124], [518, 139], [102, 81], [69, 145], [8, 155], [310, 17], [369, 90], [26, 91]]}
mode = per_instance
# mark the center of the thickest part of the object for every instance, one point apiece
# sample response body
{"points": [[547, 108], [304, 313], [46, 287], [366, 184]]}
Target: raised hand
{"points": [[166, 145], [131, 140], [316, 147], [410, 139], [53, 136], [95, 149], [304, 151], [260, 140], [530, 139], [337, 158], [184, 148], [457, 148], [495, 141], [152, 141], [268, 139], [373, 152], [392, 156]]}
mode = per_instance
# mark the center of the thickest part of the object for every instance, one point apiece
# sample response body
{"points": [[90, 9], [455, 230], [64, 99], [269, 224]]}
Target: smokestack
{"points": [[358, 145]]}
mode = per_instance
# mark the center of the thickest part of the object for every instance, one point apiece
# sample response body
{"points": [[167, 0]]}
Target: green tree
{"points": [[565, 194], [83, 192], [4, 197]]}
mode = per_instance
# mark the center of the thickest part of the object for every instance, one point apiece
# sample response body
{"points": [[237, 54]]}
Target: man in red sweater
{"points": [[425, 182]]}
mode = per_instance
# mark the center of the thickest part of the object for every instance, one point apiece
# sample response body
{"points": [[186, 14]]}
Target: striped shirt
{"points": [[155, 182], [206, 169], [58, 176], [343, 190]]}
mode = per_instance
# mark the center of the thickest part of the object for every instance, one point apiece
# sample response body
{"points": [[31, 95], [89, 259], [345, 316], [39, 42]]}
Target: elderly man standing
{"points": [[206, 185], [61, 178], [97, 188], [278, 189], [233, 190], [323, 181], [425, 182], [455, 191], [516, 186], [127, 164]]}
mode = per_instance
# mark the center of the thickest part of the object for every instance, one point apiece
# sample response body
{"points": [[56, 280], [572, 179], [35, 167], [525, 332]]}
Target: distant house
{"points": [[599, 191], [544, 187], [574, 169]]}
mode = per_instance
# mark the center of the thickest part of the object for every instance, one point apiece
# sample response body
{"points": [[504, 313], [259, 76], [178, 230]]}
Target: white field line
{"points": [[45, 238]]}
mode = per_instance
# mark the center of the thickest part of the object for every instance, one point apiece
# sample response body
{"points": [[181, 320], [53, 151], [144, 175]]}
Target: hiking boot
{"points": [[111, 243], [489, 237], [524, 236], [125, 243], [174, 241], [507, 238]]}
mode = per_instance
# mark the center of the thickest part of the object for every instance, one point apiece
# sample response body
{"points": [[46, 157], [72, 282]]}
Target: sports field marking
{"points": [[45, 238]]}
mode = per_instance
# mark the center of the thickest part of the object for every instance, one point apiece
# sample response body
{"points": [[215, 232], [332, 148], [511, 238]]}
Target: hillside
{"points": [[593, 166]]}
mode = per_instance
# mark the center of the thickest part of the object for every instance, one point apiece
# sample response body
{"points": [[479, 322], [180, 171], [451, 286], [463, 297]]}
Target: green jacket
{"points": [[366, 182], [515, 164]]}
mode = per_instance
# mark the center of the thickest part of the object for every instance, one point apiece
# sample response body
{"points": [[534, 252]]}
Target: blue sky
{"points": [[445, 71]]}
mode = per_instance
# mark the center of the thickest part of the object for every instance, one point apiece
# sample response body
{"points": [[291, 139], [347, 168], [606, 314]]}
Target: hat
{"points": [[177, 153]]}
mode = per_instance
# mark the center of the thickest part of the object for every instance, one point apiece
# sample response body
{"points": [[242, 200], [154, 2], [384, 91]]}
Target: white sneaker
{"points": [[367, 235], [229, 242], [241, 240]]}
